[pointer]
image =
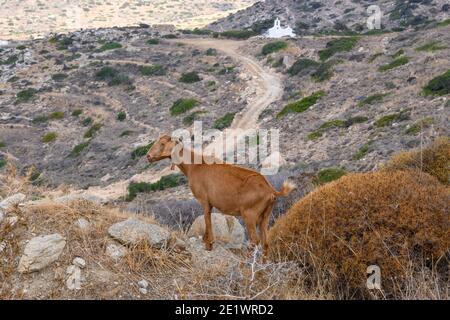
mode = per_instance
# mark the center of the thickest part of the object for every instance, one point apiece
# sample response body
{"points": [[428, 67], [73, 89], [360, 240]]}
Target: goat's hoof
{"points": [[208, 246]]}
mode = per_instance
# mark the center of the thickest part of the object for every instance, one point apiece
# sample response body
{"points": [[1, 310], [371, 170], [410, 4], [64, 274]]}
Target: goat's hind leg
{"points": [[208, 237], [264, 226]]}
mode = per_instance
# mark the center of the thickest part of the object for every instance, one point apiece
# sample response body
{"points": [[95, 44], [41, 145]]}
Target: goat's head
{"points": [[161, 149]]}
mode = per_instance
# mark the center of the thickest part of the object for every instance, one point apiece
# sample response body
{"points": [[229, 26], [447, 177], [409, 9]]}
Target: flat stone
{"points": [[40, 252], [12, 200], [132, 231], [116, 251]]}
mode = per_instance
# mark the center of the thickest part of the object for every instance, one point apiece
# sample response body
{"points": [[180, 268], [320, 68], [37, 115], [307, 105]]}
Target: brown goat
{"points": [[231, 189]]}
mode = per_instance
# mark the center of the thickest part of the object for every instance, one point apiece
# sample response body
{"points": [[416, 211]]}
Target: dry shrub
{"points": [[434, 160], [397, 220]]}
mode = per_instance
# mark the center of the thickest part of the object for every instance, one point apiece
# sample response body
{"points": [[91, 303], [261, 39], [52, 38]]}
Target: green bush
{"points": [[238, 34], [338, 45], [76, 151], [11, 60], [25, 95], [189, 120], [92, 130], [353, 120], [394, 64], [438, 86], [302, 66], [182, 105], [328, 175], [444, 23], [387, 120], [431, 46], [373, 57], [166, 182], [109, 46], [121, 116], [324, 71], [86, 121], [398, 54], [152, 41], [419, 125], [301, 105], [77, 112], [169, 36], [373, 99], [49, 137], [57, 115], [112, 76], [2, 144], [126, 133], [273, 47], [190, 77], [155, 70], [224, 122], [141, 151], [2, 163], [211, 52], [362, 151], [58, 77]]}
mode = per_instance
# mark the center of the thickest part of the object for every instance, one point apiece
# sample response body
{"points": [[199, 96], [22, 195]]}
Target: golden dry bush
{"points": [[398, 220], [434, 160]]}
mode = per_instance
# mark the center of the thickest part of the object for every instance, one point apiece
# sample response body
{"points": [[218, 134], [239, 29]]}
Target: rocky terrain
{"points": [[22, 19], [324, 16]]}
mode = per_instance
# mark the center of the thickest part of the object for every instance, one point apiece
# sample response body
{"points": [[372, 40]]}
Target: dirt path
{"points": [[267, 87]]}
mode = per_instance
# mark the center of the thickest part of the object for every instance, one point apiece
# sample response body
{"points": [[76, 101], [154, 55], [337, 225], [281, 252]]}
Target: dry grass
{"points": [[397, 220], [434, 160]]}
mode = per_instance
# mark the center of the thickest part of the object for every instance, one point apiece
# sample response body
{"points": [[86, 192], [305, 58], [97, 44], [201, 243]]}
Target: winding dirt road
{"points": [[267, 87]]}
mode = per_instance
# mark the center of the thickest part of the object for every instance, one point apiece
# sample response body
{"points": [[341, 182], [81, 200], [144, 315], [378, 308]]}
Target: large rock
{"points": [[218, 257], [12, 200], [40, 252], [133, 231], [226, 229], [76, 197]]}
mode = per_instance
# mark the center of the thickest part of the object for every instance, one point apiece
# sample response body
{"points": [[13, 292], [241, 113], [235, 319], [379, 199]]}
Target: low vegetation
{"points": [[182, 105], [77, 112], [121, 116], [189, 120], [76, 151], [109, 46], [58, 77], [56, 115], [170, 181], [431, 46], [373, 57], [303, 66], [394, 64], [373, 99], [396, 220], [301, 105], [328, 175], [434, 159], [25, 95], [153, 41], [49, 137], [154, 70], [190, 77], [363, 151], [236, 34], [418, 126], [387, 120], [224, 122], [272, 47], [141, 151], [338, 45], [438, 86], [92, 130], [112, 76]]}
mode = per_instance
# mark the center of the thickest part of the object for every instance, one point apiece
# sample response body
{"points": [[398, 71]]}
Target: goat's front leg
{"points": [[208, 237]]}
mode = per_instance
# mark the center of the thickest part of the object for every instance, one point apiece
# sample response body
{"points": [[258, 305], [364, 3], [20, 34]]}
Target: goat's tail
{"points": [[288, 186]]}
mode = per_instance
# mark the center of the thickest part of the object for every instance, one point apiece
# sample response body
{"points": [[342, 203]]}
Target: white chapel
{"points": [[277, 31]]}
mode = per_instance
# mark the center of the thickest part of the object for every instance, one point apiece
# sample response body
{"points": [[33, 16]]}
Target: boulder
{"points": [[76, 197], [218, 257], [82, 224], [40, 252], [226, 229], [12, 200], [132, 231]]}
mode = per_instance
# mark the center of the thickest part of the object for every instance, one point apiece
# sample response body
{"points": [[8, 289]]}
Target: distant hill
{"points": [[21, 19], [322, 16]]}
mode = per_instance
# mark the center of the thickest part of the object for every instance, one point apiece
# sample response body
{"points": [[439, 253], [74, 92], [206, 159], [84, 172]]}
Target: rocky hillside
{"points": [[83, 108], [323, 16], [22, 19]]}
